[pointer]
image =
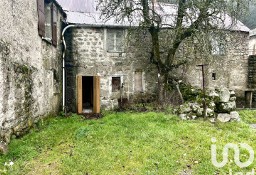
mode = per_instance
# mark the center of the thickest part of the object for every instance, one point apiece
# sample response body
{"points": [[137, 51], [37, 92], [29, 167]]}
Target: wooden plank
{"points": [[96, 94], [41, 17], [79, 94]]}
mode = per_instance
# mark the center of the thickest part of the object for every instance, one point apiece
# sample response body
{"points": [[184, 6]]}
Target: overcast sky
{"points": [[78, 5], [89, 6], [250, 20]]}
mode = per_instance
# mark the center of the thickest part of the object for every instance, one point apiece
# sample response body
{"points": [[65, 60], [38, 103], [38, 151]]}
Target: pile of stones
{"points": [[220, 105]]}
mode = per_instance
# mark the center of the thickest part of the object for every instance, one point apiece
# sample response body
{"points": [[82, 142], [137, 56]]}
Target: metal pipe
{"points": [[63, 68], [204, 100]]}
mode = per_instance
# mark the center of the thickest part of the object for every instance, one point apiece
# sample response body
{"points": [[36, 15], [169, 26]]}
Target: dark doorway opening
{"points": [[87, 91], [88, 94]]}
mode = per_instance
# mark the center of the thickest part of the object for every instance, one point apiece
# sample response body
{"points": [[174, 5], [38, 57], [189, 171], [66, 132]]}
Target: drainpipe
{"points": [[63, 68]]}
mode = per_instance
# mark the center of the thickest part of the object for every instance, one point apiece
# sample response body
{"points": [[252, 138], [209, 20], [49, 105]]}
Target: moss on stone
{"points": [[24, 82]]}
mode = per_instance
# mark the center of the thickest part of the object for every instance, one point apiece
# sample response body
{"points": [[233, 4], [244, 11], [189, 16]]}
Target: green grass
{"points": [[127, 144], [248, 116]]}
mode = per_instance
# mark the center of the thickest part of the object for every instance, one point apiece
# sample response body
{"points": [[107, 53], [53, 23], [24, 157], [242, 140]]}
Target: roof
{"points": [[79, 13], [94, 19]]}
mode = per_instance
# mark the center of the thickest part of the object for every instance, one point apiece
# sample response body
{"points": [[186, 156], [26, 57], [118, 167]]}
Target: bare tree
{"points": [[183, 20]]}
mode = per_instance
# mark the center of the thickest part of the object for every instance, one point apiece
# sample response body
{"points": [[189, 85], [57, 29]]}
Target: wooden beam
{"points": [[96, 94], [79, 94]]}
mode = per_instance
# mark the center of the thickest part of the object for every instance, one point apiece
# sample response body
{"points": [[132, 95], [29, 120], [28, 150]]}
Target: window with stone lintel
{"points": [[115, 40]]}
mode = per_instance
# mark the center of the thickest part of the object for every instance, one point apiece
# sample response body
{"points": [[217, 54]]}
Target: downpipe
{"points": [[64, 68]]}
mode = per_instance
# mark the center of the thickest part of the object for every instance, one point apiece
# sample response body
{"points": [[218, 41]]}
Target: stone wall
{"points": [[87, 56], [252, 42], [230, 70], [30, 69], [226, 69]]}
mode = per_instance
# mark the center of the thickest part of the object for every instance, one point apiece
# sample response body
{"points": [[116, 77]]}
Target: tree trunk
{"points": [[162, 91], [180, 94]]}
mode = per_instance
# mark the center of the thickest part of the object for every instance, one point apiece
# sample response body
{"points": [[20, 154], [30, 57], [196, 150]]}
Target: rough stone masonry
{"points": [[30, 71], [88, 54]]}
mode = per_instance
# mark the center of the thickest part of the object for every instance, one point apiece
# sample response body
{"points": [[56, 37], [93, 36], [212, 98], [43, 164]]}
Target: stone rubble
{"points": [[220, 104], [223, 117]]}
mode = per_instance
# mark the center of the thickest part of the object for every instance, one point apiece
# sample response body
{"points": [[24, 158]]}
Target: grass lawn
{"points": [[129, 144]]}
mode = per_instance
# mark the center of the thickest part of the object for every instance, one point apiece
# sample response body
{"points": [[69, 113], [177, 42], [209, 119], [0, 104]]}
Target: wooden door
{"points": [[79, 94], [96, 94]]}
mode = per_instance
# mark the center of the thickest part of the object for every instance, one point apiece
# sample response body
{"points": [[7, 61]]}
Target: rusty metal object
{"points": [[203, 75]]}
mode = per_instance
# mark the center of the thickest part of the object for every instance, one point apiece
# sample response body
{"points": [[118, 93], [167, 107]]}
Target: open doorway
{"points": [[87, 91], [88, 94]]}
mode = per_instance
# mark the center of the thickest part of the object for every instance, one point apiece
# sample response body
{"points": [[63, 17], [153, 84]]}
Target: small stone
{"points": [[232, 93], [232, 99], [185, 108], [200, 112], [7, 136], [17, 128], [212, 120], [223, 117], [194, 107], [212, 104], [213, 94], [226, 107], [13, 136], [3, 148], [224, 95], [183, 116], [209, 112], [193, 117], [235, 116]]}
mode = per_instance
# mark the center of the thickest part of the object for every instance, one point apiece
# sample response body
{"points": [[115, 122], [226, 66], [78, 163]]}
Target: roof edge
{"points": [[60, 7]]}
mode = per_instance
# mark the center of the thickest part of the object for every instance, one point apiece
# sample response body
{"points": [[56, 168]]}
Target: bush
{"points": [[190, 93]]}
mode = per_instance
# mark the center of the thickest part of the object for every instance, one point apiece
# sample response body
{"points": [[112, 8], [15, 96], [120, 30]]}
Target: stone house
{"points": [[30, 63], [95, 54]]}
